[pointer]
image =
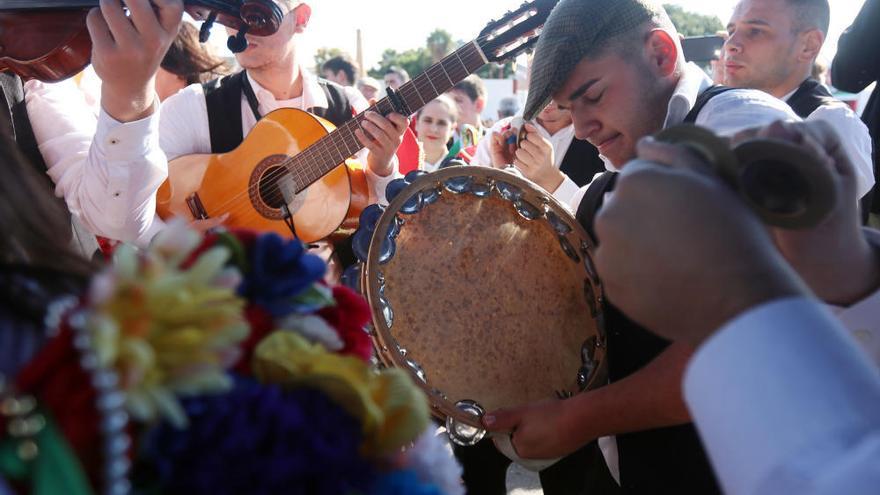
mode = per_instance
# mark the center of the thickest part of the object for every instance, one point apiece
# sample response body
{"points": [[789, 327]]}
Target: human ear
{"points": [[812, 42], [303, 13], [662, 52]]}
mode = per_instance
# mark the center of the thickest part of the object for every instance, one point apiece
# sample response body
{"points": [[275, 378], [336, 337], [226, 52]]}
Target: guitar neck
{"points": [[328, 152]]}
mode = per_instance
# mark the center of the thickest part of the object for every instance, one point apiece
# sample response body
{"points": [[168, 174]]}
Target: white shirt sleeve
{"points": [[785, 402], [184, 129], [855, 139], [733, 111], [108, 172], [376, 183]]}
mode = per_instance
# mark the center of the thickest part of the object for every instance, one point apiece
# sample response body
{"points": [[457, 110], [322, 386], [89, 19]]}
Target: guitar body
{"points": [[242, 182]]}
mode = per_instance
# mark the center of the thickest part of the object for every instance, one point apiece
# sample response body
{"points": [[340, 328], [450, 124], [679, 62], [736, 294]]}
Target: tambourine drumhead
{"points": [[479, 302]]}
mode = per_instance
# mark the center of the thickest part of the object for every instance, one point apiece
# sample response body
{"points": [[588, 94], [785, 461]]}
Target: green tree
{"points": [[439, 44], [414, 61], [324, 54], [693, 24]]}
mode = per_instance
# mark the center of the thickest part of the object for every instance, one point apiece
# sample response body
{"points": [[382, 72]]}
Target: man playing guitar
{"points": [[212, 118]]}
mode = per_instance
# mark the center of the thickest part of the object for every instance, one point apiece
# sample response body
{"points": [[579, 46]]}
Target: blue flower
{"points": [[280, 269], [404, 482], [260, 439]]}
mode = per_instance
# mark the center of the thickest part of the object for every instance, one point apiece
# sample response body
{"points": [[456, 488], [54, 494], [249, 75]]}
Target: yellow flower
{"points": [[391, 408], [166, 331]]}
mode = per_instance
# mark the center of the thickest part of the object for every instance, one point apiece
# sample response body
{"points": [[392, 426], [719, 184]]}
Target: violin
{"points": [[48, 40]]}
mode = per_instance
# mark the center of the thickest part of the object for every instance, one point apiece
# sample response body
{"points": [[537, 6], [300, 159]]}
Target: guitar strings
{"points": [[311, 168]]}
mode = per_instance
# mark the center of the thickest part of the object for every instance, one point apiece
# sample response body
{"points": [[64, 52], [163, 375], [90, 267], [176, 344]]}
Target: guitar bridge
{"points": [[196, 207]]}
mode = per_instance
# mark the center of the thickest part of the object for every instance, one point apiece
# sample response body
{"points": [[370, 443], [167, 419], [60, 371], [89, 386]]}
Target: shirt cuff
{"points": [[566, 193], [773, 381], [128, 141], [377, 183]]}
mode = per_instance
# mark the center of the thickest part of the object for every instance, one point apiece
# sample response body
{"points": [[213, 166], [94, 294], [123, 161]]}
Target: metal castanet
{"points": [[783, 184]]}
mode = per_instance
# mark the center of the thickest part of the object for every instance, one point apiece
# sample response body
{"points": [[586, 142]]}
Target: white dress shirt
{"points": [[785, 402], [725, 114], [184, 126], [559, 141], [854, 136], [107, 172]]}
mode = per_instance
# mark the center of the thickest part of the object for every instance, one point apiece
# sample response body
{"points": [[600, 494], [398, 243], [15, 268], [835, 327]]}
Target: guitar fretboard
{"points": [[331, 150]]}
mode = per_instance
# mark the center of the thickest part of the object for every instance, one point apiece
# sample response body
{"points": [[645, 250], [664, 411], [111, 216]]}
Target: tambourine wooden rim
{"points": [[385, 343]]}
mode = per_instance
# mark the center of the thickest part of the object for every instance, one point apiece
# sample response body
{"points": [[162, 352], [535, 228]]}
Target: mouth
{"points": [[732, 67], [606, 144]]}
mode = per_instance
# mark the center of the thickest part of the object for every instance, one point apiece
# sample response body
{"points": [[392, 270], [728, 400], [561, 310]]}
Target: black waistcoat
{"points": [[223, 98], [810, 96], [581, 162], [15, 123], [662, 460]]}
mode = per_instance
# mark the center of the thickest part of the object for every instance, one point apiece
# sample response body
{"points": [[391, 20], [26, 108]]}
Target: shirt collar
{"points": [[692, 83], [312, 96]]}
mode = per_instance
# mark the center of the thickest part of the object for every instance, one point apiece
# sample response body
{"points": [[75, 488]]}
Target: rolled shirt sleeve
{"points": [[108, 172], [779, 396]]}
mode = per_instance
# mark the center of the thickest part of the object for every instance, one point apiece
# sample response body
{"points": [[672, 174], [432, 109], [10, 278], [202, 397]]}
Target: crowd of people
{"points": [[742, 358]]}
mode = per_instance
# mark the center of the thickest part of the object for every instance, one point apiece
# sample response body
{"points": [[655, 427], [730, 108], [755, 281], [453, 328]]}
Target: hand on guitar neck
{"points": [[127, 50], [382, 136]]}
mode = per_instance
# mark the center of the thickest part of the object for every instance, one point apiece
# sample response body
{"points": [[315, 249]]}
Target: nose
{"points": [[585, 128], [732, 44]]}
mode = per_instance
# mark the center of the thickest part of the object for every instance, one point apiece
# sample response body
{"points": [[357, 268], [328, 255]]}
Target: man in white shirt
{"points": [[549, 147], [108, 168], [618, 66], [275, 77], [772, 46], [783, 398]]}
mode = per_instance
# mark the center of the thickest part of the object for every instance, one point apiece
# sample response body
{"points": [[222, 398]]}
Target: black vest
{"points": [[663, 460], [581, 162], [15, 122], [223, 99], [810, 96]]}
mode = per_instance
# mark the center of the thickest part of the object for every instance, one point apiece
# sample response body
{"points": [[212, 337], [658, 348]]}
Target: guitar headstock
{"points": [[516, 32]]}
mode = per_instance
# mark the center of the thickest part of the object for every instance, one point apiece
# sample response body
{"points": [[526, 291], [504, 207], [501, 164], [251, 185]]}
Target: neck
{"points": [[284, 81], [791, 84], [433, 154], [553, 127]]}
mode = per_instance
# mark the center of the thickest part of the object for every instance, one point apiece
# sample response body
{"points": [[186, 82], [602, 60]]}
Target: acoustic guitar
{"points": [[290, 174]]}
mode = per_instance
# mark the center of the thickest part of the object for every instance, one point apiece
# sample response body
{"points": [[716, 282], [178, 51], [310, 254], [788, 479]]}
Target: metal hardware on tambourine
{"points": [[416, 368], [463, 434]]}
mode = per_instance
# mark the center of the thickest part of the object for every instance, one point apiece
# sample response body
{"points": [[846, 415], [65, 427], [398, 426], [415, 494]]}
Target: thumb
{"points": [[502, 419]]}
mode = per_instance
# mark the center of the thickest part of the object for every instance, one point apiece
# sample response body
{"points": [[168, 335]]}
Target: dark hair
{"points": [[342, 63], [190, 59], [811, 14], [34, 225], [472, 86], [400, 71]]}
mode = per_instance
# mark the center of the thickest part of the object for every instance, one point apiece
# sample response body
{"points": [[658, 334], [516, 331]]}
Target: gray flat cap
{"points": [[574, 29]]}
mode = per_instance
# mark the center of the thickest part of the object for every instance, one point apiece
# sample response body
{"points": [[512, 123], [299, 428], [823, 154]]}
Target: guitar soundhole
{"points": [[265, 195], [270, 194]]}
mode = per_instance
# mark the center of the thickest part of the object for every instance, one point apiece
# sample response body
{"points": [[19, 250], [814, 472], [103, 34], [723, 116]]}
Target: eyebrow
{"points": [[754, 22], [582, 89]]}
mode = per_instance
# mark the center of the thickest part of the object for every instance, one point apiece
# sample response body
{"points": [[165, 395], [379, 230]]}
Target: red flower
{"points": [[262, 324], [349, 317], [60, 385]]}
